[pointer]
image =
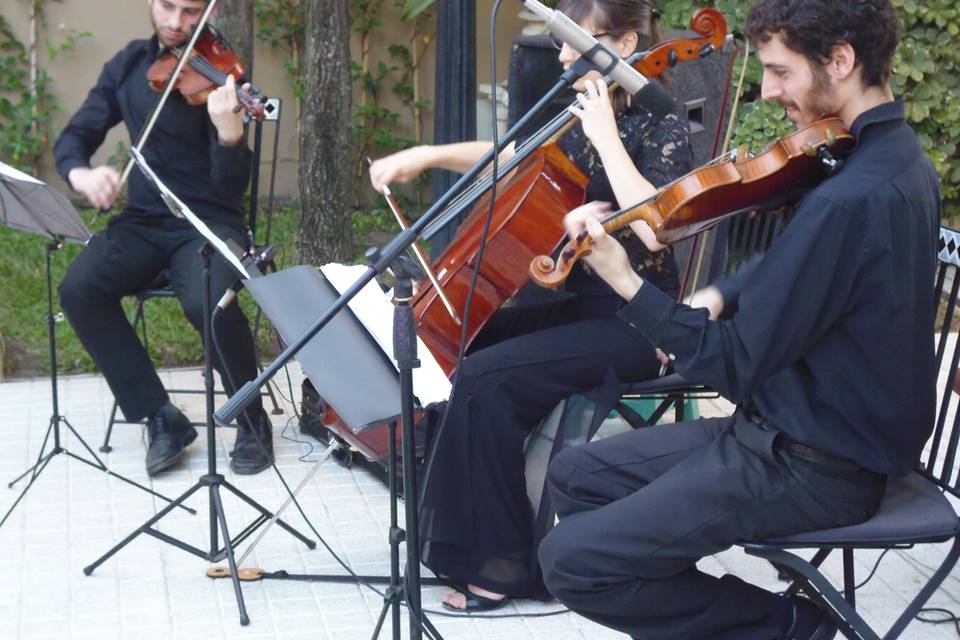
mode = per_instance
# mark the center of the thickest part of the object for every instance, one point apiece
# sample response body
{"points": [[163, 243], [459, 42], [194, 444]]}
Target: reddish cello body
{"points": [[527, 221], [532, 200]]}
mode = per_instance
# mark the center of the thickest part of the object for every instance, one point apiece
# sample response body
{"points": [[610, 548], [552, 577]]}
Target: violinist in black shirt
{"points": [[824, 413], [199, 151]]}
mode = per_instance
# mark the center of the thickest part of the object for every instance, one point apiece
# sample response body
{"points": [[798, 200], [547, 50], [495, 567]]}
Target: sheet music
{"points": [[16, 174], [374, 309], [179, 209]]}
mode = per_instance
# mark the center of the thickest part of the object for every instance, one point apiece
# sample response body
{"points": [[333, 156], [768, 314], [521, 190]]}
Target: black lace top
{"points": [[661, 152]]}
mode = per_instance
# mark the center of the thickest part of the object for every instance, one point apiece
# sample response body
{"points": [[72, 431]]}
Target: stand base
{"points": [[43, 459], [213, 482]]}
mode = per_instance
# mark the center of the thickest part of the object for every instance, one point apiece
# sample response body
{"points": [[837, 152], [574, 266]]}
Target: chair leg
{"points": [[849, 583], [932, 585], [105, 447], [817, 587]]}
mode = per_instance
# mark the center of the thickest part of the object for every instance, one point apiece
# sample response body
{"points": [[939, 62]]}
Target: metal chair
{"points": [[915, 510], [160, 287]]}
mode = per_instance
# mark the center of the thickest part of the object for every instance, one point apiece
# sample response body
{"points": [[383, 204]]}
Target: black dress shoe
{"points": [[810, 621], [168, 434], [253, 451]]}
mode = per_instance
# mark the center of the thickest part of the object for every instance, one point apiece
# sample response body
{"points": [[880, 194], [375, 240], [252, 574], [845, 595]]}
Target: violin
{"points": [[535, 189], [704, 197], [208, 65]]}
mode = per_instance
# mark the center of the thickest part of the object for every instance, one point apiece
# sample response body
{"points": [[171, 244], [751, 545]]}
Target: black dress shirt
{"points": [[182, 149], [832, 336]]}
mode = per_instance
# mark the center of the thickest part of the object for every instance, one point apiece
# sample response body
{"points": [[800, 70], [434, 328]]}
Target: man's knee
{"points": [[566, 563], [561, 469], [78, 293]]}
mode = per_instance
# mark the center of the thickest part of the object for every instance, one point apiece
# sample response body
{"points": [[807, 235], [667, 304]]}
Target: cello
{"points": [[538, 186]]}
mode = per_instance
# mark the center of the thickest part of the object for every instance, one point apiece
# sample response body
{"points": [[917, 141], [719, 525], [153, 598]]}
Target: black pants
{"points": [[477, 525], [125, 258], [638, 511]]}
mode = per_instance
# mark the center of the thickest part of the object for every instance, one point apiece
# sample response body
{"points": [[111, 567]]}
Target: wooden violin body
{"points": [[210, 62], [707, 195]]}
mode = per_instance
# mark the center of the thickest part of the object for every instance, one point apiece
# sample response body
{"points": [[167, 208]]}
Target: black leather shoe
{"points": [[168, 434], [810, 621], [253, 451]]}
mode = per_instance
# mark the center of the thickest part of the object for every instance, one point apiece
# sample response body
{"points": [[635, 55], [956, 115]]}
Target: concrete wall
{"points": [[113, 23]]}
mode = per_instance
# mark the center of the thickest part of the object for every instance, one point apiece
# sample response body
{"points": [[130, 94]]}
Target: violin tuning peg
{"points": [[255, 89], [246, 118], [238, 108], [808, 150]]}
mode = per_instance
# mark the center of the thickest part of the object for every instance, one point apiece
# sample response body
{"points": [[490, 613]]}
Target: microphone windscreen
{"points": [[655, 99]]}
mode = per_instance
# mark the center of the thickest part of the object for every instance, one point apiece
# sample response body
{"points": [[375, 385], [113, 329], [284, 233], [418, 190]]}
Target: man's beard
{"points": [[818, 101]]}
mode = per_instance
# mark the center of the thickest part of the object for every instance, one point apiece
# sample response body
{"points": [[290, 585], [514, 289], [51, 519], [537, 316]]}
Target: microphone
{"points": [[253, 264], [650, 95]]}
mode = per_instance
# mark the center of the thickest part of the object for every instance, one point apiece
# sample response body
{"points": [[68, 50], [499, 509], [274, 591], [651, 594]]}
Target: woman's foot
{"points": [[474, 599]]}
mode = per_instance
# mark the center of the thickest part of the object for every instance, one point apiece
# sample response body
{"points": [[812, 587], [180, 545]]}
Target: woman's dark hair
{"points": [[814, 27], [616, 18]]}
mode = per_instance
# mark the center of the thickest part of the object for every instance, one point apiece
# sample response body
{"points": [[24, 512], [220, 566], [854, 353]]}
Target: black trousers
{"points": [[638, 511], [125, 258], [477, 525]]}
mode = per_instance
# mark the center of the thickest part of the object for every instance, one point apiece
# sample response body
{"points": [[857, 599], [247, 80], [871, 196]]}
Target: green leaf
{"points": [[414, 8]]}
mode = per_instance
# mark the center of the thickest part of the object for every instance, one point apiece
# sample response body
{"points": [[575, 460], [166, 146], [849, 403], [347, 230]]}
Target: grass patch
{"points": [[23, 327]]}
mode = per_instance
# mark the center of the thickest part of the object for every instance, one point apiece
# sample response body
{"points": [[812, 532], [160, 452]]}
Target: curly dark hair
{"points": [[813, 27]]}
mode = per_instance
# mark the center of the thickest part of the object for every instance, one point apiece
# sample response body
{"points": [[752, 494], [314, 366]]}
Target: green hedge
{"points": [[926, 74]]}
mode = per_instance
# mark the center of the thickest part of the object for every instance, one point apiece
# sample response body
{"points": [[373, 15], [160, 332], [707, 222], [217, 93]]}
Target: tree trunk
{"points": [[325, 177], [234, 19]]}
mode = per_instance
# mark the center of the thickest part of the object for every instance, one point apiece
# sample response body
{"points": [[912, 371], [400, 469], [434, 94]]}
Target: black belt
{"points": [[799, 450]]}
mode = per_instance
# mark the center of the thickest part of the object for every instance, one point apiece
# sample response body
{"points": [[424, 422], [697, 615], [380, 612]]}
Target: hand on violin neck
{"points": [[226, 113], [99, 185], [607, 257]]}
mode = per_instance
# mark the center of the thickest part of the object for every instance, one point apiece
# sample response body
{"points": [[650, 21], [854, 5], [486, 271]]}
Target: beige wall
{"points": [[113, 23]]}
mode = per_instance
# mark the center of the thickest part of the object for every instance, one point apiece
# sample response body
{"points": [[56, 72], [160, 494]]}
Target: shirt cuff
{"points": [[232, 154], [729, 289], [68, 165], [647, 310]]}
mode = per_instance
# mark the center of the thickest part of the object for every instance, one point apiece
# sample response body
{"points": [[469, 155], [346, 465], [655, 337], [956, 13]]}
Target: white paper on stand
{"points": [[374, 310]]}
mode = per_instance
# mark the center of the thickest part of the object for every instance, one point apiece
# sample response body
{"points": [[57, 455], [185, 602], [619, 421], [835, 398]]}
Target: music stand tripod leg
{"points": [[56, 418], [213, 481]]}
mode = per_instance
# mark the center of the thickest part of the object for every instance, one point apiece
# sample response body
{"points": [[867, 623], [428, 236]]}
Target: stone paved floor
{"points": [[74, 513]]}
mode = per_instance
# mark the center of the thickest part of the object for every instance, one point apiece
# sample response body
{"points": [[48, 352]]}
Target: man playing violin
{"points": [[199, 151], [823, 415]]}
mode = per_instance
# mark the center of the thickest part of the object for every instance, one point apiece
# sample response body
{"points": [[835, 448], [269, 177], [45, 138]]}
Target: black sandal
{"points": [[476, 603]]}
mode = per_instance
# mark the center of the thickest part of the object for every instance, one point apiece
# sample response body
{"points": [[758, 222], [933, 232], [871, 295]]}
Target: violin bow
{"points": [[168, 88], [402, 221]]}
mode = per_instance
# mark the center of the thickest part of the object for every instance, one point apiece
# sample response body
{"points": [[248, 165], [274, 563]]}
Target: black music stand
{"points": [[30, 205], [212, 481], [349, 363]]}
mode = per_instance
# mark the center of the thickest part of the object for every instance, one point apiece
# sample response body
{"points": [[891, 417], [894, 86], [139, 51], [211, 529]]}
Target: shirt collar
{"points": [[886, 112]]}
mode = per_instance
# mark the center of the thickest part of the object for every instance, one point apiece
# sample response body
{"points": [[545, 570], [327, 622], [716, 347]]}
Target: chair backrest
{"points": [[721, 250], [938, 461]]}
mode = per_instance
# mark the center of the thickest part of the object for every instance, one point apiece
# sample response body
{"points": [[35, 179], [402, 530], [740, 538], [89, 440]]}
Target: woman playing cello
{"points": [[477, 523]]}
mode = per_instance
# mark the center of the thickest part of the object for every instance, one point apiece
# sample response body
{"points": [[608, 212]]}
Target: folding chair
{"points": [[915, 510]]}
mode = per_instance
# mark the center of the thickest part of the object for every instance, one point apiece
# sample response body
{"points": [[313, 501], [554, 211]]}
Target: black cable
{"points": [[428, 464], [949, 616], [876, 566]]}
